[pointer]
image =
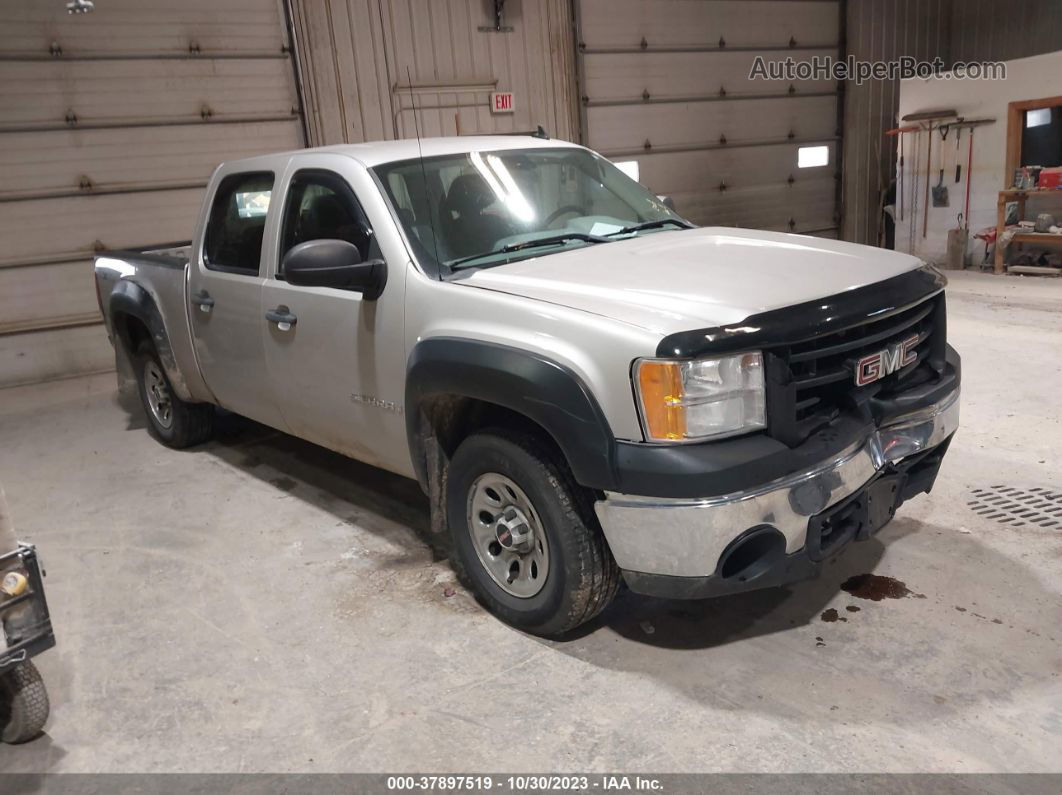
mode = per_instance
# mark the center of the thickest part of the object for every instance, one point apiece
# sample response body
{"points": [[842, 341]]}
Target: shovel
{"points": [[940, 190], [928, 116]]}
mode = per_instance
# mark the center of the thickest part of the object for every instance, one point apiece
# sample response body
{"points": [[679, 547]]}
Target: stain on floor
{"points": [[876, 587], [830, 616]]}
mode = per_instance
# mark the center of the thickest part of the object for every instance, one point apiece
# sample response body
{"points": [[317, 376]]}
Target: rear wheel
{"points": [[171, 420], [524, 534], [23, 704]]}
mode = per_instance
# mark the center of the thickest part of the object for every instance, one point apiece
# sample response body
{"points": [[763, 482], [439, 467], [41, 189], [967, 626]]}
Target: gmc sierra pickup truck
{"points": [[587, 387]]}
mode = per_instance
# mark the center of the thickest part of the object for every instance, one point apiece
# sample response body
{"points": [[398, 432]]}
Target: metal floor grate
{"points": [[1018, 506]]}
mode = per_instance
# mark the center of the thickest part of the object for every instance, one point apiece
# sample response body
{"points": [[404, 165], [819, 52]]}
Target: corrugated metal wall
{"points": [[355, 55], [956, 30], [1000, 31], [110, 125], [881, 30]]}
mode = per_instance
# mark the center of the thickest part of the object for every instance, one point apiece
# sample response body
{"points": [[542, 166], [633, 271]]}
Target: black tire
{"points": [[23, 704], [189, 423], [582, 577]]}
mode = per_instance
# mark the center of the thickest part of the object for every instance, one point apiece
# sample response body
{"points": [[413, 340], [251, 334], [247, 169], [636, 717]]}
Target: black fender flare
{"points": [[544, 391], [129, 298]]}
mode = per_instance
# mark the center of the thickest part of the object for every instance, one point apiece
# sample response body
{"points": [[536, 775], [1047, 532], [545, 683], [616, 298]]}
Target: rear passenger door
{"points": [[225, 296]]}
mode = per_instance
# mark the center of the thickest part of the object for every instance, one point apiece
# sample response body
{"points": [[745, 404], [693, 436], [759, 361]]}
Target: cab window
{"points": [[233, 240], [322, 206]]}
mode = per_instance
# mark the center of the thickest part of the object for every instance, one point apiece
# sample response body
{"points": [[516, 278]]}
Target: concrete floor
{"points": [[261, 604]]}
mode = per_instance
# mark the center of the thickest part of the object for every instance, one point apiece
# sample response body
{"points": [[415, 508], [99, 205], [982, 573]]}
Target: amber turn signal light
{"points": [[660, 389]]}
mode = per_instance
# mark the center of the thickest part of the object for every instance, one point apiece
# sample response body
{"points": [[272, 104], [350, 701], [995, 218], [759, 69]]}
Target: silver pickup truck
{"points": [[587, 387]]}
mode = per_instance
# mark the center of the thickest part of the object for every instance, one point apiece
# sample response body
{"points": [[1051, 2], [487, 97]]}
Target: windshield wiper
{"points": [[537, 242], [651, 225]]}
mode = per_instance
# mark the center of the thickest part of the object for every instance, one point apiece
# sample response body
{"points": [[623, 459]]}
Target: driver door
{"points": [[336, 359]]}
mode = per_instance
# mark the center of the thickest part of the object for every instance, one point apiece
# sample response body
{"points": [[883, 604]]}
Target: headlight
{"points": [[700, 399]]}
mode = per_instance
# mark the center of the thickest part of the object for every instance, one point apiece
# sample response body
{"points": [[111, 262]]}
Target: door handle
{"points": [[283, 317], [203, 300]]}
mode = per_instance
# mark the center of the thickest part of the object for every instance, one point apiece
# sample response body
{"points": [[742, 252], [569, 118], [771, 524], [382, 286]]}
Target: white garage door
{"points": [[110, 125], [666, 83]]}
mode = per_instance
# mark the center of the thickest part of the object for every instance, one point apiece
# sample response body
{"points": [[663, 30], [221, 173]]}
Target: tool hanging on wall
{"points": [[899, 132], [970, 125], [958, 165], [928, 116], [940, 190], [929, 167], [912, 222], [969, 179]]}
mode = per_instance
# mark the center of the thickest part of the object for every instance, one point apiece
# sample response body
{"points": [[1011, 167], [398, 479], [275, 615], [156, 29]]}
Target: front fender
{"points": [[542, 390]]}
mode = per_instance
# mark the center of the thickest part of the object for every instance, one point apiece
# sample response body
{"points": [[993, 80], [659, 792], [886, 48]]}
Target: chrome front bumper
{"points": [[686, 537]]}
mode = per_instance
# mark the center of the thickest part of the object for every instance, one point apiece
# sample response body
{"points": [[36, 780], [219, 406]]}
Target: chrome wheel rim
{"points": [[507, 534], [158, 394]]}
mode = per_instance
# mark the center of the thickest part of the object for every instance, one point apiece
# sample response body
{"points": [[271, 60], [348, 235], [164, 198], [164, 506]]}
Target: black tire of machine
{"points": [[23, 704]]}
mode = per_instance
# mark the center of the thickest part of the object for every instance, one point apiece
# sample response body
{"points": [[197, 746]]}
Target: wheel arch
{"points": [[135, 316], [455, 386]]}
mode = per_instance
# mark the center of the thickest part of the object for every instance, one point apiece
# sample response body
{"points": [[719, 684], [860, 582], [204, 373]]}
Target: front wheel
{"points": [[23, 704], [525, 536]]}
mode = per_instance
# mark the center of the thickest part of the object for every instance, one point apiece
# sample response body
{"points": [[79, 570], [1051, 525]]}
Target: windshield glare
{"points": [[465, 208]]}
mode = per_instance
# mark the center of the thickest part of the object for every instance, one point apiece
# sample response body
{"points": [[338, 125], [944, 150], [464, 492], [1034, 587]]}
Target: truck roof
{"points": [[373, 153]]}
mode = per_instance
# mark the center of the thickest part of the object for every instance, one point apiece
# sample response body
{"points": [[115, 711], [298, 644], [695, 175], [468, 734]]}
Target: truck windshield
{"points": [[479, 209]]}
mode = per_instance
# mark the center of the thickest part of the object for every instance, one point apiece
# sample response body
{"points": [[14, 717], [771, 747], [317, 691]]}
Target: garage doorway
{"points": [[666, 83]]}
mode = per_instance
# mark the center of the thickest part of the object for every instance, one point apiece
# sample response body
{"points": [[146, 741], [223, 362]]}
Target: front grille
{"points": [[811, 382]]}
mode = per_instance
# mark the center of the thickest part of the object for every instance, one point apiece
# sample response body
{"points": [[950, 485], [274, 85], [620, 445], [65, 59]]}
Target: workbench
{"points": [[1038, 238]]}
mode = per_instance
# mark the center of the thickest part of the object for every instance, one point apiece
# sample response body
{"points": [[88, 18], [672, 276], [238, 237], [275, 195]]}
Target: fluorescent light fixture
{"points": [[812, 156], [1038, 117], [628, 167]]}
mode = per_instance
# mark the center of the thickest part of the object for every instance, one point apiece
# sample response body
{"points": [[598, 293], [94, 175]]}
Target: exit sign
{"points": [[501, 102]]}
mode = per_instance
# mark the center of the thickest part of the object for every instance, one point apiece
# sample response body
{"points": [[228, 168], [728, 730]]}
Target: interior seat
{"points": [[466, 228]]}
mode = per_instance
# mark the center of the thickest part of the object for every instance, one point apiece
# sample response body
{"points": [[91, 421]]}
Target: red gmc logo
{"points": [[878, 365]]}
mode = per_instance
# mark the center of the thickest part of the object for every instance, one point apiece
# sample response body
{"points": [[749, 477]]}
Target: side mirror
{"points": [[668, 202], [334, 263]]}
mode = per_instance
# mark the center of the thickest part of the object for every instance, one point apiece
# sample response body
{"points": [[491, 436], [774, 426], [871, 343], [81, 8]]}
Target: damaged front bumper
{"points": [[780, 531], [25, 624]]}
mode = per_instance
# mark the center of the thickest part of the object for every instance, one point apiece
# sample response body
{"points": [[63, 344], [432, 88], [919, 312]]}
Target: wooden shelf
{"points": [[1036, 237], [1024, 193], [1020, 195]]}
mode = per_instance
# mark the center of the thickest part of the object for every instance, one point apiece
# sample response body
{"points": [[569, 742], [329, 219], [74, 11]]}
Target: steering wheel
{"points": [[568, 208]]}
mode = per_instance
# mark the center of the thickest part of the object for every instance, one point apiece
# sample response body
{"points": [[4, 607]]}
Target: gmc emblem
{"points": [[878, 365]]}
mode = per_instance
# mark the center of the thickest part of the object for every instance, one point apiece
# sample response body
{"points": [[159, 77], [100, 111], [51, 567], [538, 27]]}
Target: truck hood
{"points": [[677, 281]]}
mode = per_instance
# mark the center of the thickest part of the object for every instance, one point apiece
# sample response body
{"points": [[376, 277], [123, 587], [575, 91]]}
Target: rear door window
{"points": [[233, 240]]}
